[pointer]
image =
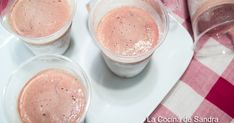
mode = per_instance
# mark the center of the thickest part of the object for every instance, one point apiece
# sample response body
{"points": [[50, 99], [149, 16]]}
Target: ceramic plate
{"points": [[114, 100]]}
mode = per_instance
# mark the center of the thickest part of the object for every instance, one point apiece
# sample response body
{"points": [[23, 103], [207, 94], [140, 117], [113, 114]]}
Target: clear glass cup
{"points": [[213, 26], [56, 43], [29, 69], [127, 66]]}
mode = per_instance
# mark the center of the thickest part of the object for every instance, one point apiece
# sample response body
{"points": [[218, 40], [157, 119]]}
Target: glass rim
{"points": [[211, 5], [86, 83]]}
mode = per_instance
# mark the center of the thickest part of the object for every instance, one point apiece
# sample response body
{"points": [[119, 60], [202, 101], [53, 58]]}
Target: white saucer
{"points": [[114, 100]]}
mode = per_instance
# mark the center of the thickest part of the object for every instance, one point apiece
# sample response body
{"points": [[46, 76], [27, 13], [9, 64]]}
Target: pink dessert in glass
{"points": [[128, 31], [52, 96], [39, 18], [43, 25]]}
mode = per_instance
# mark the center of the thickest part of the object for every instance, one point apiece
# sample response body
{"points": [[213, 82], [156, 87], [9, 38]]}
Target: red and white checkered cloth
{"points": [[206, 90]]}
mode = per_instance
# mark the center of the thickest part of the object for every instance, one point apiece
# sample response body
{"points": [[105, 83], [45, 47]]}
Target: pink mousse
{"points": [[128, 31], [52, 96], [39, 18]]}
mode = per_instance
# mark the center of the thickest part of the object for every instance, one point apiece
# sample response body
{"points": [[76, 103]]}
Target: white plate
{"points": [[114, 100]]}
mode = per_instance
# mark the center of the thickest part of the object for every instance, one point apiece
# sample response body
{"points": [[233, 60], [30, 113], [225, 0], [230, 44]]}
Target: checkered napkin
{"points": [[205, 93], [3, 4]]}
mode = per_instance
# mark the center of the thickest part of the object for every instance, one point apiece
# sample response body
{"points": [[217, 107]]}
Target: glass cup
{"points": [[213, 22], [30, 68], [127, 66], [56, 43]]}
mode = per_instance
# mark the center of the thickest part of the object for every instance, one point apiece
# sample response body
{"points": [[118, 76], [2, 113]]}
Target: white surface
{"points": [[114, 100]]}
